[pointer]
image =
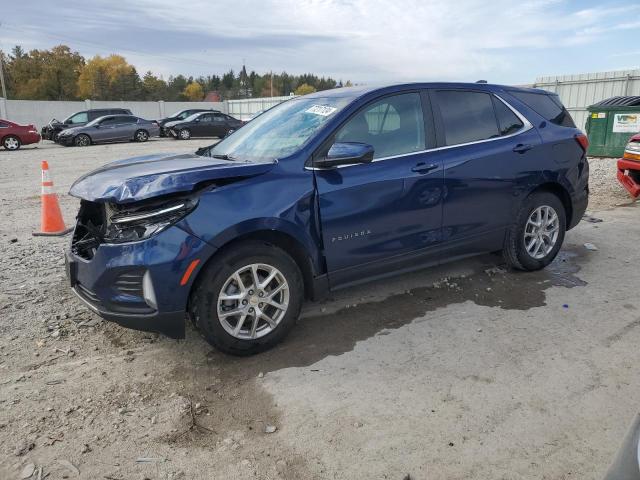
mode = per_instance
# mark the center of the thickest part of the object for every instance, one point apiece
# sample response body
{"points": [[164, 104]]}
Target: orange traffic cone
{"points": [[52, 223]]}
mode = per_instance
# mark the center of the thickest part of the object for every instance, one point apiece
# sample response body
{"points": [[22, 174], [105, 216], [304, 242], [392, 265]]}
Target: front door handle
{"points": [[522, 147], [424, 167]]}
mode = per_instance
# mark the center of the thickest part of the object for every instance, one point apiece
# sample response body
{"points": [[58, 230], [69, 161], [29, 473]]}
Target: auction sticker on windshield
{"points": [[322, 110]]}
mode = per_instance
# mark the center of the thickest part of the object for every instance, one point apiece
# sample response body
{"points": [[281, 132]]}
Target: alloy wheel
{"points": [[185, 134], [541, 232], [82, 141], [142, 136], [253, 301]]}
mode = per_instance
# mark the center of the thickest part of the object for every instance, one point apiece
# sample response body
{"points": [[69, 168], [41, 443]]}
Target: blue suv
{"points": [[322, 192]]}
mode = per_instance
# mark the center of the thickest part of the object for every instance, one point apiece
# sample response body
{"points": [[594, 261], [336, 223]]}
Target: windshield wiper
{"points": [[223, 156]]}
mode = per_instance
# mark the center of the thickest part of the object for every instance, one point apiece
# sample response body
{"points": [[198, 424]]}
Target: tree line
{"points": [[62, 74]]}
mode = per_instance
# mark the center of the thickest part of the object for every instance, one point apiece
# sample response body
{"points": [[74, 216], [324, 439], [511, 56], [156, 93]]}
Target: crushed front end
{"points": [[128, 263], [629, 167]]}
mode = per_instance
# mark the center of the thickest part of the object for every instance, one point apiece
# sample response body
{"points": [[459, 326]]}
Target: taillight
{"points": [[583, 141]]}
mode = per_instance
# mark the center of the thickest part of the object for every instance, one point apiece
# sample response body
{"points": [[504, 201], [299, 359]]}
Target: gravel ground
{"points": [[461, 371], [606, 192]]}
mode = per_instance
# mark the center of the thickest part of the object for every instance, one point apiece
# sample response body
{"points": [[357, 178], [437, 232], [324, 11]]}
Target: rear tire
{"points": [[11, 143], [141, 136], [184, 134], [82, 140], [536, 237], [227, 285]]}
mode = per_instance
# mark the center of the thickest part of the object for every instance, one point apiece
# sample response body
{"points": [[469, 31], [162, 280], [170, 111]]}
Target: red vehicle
{"points": [[629, 167], [13, 135]]}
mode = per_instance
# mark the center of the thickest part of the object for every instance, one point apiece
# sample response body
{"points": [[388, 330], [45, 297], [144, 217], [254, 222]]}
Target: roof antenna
{"points": [[481, 81]]}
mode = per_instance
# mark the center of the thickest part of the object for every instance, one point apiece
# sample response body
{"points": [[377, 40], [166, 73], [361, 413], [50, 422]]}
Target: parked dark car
{"points": [[181, 115], [322, 192], [203, 124], [13, 135], [51, 131], [110, 129]]}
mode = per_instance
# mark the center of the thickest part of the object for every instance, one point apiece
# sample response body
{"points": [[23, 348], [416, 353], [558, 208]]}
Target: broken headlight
{"points": [[131, 224]]}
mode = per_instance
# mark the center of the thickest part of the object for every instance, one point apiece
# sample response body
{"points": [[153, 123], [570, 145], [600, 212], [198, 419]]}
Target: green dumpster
{"points": [[610, 124]]}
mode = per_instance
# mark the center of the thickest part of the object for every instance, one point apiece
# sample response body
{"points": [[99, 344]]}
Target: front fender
{"points": [[276, 202]]}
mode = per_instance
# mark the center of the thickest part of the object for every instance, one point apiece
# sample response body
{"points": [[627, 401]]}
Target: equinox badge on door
{"points": [[351, 236]]}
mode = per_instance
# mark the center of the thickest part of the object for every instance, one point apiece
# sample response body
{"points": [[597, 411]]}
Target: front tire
{"points": [[536, 237], [184, 134], [247, 299], [11, 142], [141, 136], [82, 140]]}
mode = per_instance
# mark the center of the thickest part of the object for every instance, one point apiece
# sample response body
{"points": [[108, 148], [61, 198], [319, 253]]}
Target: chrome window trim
{"points": [[526, 126]]}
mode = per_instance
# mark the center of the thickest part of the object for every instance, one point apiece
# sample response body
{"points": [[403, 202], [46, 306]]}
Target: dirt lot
{"points": [[463, 371]]}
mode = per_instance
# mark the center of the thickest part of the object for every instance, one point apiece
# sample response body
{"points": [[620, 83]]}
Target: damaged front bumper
{"points": [[139, 285], [629, 176]]}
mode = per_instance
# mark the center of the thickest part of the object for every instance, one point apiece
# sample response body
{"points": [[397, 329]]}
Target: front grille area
{"points": [[130, 283], [89, 231]]}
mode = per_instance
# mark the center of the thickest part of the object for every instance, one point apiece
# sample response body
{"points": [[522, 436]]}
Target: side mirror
{"points": [[97, 125], [346, 153]]}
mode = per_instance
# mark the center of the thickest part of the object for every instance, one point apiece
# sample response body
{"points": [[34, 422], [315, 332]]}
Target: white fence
{"points": [[40, 112], [246, 108], [577, 92]]}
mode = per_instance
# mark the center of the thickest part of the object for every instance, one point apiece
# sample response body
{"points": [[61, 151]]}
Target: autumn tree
{"points": [[61, 74], [44, 74], [194, 92], [109, 78], [304, 89]]}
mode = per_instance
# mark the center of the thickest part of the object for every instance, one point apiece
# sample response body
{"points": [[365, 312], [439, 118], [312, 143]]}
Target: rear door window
{"points": [[4, 125], [98, 114], [126, 119], [392, 126], [467, 116], [548, 106], [109, 121]]}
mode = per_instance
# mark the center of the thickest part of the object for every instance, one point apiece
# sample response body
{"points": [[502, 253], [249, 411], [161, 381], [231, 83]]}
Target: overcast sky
{"points": [[366, 41]]}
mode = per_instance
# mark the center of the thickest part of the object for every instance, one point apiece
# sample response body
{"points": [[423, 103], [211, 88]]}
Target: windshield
{"points": [[280, 131]]}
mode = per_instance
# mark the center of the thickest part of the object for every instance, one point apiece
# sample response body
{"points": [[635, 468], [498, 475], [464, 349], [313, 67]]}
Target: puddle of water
{"points": [[319, 336]]}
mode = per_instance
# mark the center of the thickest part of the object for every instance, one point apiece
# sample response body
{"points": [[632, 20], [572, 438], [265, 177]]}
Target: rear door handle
{"points": [[424, 167], [522, 147]]}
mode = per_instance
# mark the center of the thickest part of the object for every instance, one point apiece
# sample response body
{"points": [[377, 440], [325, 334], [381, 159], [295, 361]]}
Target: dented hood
{"points": [[139, 178]]}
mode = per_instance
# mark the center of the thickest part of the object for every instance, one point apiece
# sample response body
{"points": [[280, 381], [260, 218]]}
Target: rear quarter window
{"points": [[546, 105], [508, 122]]}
